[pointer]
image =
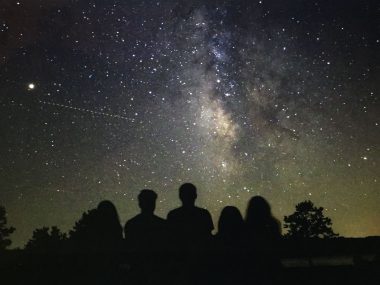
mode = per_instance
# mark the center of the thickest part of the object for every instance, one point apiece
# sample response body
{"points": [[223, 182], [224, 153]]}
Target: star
{"points": [[31, 86]]}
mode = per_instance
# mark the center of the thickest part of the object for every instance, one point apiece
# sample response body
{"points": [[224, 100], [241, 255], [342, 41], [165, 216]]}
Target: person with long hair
{"points": [[260, 222], [109, 230], [263, 232], [227, 267], [230, 226]]}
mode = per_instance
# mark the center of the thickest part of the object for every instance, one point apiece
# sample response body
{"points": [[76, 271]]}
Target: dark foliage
{"points": [[84, 230], [46, 240], [5, 231], [308, 221]]}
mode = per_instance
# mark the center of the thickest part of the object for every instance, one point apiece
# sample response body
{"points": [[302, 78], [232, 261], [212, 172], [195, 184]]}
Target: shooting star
{"points": [[85, 110]]}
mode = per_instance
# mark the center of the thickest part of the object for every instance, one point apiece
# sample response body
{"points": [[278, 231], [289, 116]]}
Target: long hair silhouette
{"points": [[263, 241], [109, 230], [230, 224], [259, 218]]}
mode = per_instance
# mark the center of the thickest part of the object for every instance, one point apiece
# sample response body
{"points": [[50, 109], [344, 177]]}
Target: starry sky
{"points": [[102, 98]]}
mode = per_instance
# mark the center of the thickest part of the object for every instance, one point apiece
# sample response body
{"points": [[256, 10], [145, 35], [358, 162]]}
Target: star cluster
{"points": [[100, 99]]}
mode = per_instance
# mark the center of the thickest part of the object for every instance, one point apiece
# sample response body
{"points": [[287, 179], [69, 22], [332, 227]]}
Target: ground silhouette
{"points": [[182, 249]]}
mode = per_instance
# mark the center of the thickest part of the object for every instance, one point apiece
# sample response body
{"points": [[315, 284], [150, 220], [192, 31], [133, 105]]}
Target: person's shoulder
{"points": [[174, 212], [133, 221], [159, 219], [273, 222], [202, 211]]}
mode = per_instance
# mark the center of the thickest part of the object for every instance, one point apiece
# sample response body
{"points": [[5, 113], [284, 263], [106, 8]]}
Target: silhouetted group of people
{"points": [[183, 249]]}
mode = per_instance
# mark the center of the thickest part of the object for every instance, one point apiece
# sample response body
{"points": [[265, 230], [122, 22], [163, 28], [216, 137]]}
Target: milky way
{"points": [[100, 99]]}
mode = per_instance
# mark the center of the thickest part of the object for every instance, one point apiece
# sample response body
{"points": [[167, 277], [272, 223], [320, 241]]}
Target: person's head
{"points": [[147, 201], [230, 220], [187, 194], [107, 213], [107, 209], [258, 210]]}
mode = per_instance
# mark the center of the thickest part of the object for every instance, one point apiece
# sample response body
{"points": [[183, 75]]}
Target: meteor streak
{"points": [[85, 110]]}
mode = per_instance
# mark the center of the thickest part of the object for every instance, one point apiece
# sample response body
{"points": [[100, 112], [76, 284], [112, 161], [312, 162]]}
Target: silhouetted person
{"points": [[146, 240], [260, 223], [230, 226], [263, 240], [109, 242], [97, 239], [145, 232], [98, 230], [190, 224], [109, 230], [191, 228], [229, 247]]}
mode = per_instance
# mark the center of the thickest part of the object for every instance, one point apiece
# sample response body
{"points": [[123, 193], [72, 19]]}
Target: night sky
{"points": [[100, 99]]}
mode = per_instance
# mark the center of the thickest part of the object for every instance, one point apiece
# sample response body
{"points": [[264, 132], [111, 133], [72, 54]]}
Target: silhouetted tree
{"points": [[308, 221], [5, 232], [46, 240], [81, 236]]}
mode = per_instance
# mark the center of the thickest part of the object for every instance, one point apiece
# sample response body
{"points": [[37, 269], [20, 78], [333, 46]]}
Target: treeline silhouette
{"points": [[180, 249]]}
